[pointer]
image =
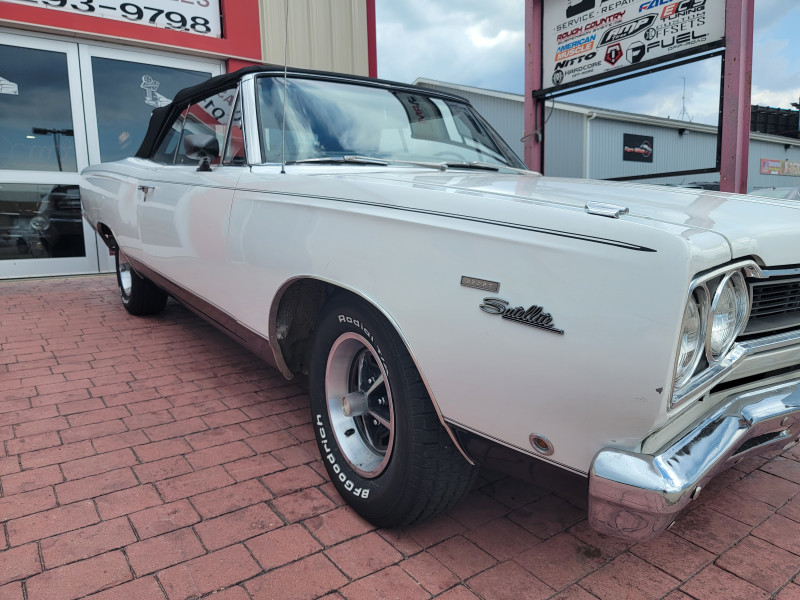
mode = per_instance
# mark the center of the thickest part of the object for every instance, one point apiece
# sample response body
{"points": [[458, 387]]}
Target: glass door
{"points": [[42, 151], [63, 106], [122, 89]]}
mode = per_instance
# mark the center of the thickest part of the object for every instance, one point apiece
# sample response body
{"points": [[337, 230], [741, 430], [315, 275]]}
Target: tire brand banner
{"points": [[637, 148], [586, 38], [192, 16]]}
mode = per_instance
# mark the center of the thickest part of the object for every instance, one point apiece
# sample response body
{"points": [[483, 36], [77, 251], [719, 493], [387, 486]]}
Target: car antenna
{"points": [[285, 61]]}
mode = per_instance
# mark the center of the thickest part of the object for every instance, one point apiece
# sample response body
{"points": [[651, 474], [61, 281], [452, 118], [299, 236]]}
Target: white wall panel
{"points": [[327, 35]]}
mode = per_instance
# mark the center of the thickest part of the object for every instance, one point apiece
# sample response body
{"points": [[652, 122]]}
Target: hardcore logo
{"points": [[533, 316]]}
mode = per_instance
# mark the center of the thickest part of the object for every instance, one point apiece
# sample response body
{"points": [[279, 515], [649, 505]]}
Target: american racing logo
{"points": [[627, 29], [575, 48], [533, 316]]}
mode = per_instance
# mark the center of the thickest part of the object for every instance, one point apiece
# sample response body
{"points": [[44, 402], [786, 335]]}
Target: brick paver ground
{"points": [[152, 458]]}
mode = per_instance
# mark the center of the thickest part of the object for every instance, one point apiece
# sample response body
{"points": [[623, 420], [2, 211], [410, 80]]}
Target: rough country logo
{"points": [[613, 54], [627, 29], [533, 316]]}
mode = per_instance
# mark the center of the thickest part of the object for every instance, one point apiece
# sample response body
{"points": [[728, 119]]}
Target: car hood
{"points": [[752, 226]]}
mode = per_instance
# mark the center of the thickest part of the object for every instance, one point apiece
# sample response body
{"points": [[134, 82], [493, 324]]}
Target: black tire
{"points": [[390, 458], [140, 296]]}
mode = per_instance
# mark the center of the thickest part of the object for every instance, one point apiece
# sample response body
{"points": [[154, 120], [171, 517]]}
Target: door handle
{"points": [[145, 189]]}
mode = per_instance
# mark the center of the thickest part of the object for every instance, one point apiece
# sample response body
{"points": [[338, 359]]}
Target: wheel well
{"points": [[108, 238], [295, 318]]}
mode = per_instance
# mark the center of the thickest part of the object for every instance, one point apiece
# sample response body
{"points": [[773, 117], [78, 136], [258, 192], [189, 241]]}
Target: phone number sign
{"points": [[586, 38], [192, 16]]}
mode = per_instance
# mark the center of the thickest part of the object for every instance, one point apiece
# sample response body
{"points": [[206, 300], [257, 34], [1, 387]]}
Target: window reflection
{"points": [[328, 119], [125, 94], [35, 103], [40, 221]]}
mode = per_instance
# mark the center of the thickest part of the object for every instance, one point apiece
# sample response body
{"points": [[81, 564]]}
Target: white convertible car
{"points": [[451, 308]]}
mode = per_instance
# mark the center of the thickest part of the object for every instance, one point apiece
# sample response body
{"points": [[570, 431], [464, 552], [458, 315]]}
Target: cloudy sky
{"points": [[481, 43]]}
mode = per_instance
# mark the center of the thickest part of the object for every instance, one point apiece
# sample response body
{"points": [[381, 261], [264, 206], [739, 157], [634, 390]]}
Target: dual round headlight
{"points": [[728, 313], [692, 340], [710, 327]]}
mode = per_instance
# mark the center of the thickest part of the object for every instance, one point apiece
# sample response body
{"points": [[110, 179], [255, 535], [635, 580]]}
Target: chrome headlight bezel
{"points": [[715, 349], [714, 363], [685, 367]]}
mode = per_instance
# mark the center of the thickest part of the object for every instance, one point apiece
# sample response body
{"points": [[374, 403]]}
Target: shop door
{"points": [[64, 106], [42, 151]]}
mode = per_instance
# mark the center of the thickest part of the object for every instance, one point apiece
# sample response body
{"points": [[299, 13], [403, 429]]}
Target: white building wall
{"points": [[325, 35]]}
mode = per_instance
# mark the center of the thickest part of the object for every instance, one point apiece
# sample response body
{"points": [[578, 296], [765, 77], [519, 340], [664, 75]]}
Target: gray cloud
{"points": [[481, 43]]}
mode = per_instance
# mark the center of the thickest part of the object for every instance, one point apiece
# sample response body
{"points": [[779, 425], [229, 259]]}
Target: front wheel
{"points": [[379, 435], [140, 296]]}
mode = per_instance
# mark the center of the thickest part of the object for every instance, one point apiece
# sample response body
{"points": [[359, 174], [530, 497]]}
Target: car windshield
{"points": [[341, 121]]}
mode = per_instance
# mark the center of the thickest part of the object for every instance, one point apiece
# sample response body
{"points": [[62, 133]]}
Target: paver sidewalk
{"points": [[152, 458]]}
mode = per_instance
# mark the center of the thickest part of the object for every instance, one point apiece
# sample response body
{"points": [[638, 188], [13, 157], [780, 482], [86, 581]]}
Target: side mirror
{"points": [[203, 147]]}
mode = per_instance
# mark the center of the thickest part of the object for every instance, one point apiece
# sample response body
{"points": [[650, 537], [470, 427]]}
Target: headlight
{"points": [[692, 340], [728, 314]]}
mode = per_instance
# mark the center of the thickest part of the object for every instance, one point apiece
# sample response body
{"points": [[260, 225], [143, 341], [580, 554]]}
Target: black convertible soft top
{"points": [[162, 118]]}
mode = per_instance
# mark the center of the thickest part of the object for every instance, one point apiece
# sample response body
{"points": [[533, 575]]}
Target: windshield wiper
{"points": [[484, 166], [382, 162], [358, 160]]}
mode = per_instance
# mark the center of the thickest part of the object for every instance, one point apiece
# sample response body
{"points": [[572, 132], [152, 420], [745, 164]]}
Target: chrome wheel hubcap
{"points": [[124, 275], [359, 404]]}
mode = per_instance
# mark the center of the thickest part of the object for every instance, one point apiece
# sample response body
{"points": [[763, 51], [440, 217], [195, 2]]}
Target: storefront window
{"points": [[40, 221], [36, 129], [125, 95]]}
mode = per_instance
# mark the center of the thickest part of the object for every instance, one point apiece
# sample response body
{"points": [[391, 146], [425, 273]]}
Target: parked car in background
{"points": [[787, 193], [452, 308]]}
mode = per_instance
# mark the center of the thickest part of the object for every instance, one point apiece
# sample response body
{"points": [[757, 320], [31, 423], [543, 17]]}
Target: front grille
{"points": [[776, 306]]}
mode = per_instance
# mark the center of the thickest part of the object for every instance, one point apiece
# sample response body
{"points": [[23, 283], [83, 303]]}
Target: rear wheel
{"points": [[140, 296], [379, 435]]}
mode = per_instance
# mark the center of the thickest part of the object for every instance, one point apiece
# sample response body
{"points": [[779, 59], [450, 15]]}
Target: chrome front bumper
{"points": [[637, 496]]}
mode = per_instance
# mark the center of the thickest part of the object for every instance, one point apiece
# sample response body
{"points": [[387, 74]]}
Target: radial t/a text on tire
{"points": [[379, 435]]}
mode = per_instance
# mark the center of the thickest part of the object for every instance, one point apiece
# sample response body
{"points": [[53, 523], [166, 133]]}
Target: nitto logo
{"points": [[613, 54], [627, 29]]}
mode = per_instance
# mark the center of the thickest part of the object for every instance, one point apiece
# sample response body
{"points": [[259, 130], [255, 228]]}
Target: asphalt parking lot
{"points": [[152, 458]]}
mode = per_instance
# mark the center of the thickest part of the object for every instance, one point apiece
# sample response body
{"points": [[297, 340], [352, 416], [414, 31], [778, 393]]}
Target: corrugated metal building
{"points": [[582, 141]]}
